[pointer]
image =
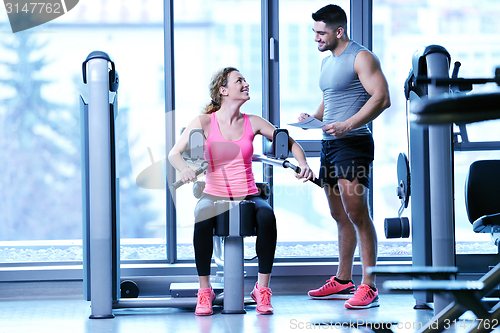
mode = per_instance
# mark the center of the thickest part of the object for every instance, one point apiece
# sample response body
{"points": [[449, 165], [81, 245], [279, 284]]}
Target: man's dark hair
{"points": [[332, 15]]}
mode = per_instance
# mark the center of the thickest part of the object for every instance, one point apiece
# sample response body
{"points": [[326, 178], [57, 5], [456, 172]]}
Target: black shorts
{"points": [[347, 158]]}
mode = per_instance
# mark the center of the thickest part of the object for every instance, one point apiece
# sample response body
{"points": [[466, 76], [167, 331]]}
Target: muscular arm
{"points": [[367, 67]]}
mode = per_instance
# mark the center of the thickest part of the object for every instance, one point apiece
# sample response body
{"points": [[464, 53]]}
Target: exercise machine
{"points": [[437, 113], [430, 162], [100, 183], [100, 199]]}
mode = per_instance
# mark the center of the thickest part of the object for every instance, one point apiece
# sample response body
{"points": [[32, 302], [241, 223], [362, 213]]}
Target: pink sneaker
{"points": [[204, 303], [364, 298], [333, 289], [262, 296]]}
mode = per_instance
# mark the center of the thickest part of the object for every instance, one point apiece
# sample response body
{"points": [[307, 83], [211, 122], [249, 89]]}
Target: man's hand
{"points": [[303, 116], [338, 130]]}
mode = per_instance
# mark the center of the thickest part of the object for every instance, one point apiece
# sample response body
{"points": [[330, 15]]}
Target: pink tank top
{"points": [[230, 172]]}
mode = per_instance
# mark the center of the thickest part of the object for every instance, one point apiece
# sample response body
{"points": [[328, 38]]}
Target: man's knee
{"points": [[359, 215], [339, 217]]}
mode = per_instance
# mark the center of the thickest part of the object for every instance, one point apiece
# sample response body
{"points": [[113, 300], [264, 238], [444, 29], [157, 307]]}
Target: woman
{"points": [[228, 148]]}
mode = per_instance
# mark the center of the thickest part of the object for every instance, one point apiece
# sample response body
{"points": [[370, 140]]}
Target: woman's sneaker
{"points": [[333, 289], [364, 298], [262, 296], [204, 302]]}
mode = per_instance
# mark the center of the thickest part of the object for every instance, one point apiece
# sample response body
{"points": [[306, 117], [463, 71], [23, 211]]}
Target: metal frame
{"points": [[270, 73], [168, 21]]}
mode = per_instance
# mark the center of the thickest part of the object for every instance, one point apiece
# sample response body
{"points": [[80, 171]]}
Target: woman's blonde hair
{"points": [[219, 79]]}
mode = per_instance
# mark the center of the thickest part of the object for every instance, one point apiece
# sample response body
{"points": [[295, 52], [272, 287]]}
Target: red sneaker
{"points": [[364, 298], [333, 289], [262, 296], [204, 303]]}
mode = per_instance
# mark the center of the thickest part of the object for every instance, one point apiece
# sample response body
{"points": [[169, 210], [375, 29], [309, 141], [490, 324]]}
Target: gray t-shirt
{"points": [[343, 92]]}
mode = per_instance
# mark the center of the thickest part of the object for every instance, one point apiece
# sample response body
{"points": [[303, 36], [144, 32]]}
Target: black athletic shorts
{"points": [[347, 158]]}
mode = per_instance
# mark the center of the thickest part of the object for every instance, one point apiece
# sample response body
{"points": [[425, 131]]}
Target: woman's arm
{"points": [[265, 128], [175, 155]]}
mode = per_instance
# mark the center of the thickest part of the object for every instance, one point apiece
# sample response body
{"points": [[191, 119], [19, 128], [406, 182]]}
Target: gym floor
{"points": [[68, 312]]}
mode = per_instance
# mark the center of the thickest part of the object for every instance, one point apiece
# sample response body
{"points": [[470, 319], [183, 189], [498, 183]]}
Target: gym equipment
{"points": [[481, 198], [100, 184], [430, 154], [481, 204], [100, 199], [431, 162], [399, 227]]}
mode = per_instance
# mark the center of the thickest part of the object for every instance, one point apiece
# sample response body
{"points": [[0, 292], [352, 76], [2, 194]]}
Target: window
{"points": [[208, 36], [305, 227], [40, 80]]}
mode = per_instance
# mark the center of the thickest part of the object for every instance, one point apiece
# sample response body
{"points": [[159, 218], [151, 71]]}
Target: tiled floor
{"points": [[292, 314]]}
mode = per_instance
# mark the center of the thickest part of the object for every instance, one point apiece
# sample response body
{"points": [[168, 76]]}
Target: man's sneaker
{"points": [[364, 298], [333, 289], [262, 296], [204, 302]]}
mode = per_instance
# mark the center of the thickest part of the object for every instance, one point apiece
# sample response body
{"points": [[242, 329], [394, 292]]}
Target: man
{"points": [[355, 92]]}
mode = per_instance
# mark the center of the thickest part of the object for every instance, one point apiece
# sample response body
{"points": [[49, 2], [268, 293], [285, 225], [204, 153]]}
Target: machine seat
{"points": [[481, 195], [485, 223]]}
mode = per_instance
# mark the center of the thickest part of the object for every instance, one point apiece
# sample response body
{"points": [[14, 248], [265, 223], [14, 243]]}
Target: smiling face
{"points": [[237, 87], [327, 39]]}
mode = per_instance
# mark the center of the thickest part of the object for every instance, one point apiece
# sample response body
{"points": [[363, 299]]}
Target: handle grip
{"points": [[295, 168], [199, 171]]}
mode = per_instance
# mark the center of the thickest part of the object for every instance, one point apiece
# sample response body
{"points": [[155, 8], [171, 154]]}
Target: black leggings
{"points": [[203, 233]]}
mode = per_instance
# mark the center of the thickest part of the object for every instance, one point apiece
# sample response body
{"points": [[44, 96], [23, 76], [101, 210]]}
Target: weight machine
{"points": [[100, 199]]}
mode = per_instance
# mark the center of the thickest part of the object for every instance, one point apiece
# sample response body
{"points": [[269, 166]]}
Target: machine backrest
{"points": [[482, 189]]}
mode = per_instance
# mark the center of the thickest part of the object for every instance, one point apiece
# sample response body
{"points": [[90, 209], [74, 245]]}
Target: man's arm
{"points": [[319, 112], [367, 67]]}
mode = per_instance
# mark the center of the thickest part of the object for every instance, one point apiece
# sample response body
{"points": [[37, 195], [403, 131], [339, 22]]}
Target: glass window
{"points": [[208, 36], [41, 78], [401, 29], [305, 227], [300, 63]]}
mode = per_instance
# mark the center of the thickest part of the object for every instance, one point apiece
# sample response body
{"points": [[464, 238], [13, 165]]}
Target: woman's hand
{"points": [[187, 175], [305, 173]]}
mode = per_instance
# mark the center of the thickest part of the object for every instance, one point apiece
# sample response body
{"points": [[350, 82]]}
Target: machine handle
{"points": [[204, 166], [295, 168]]}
